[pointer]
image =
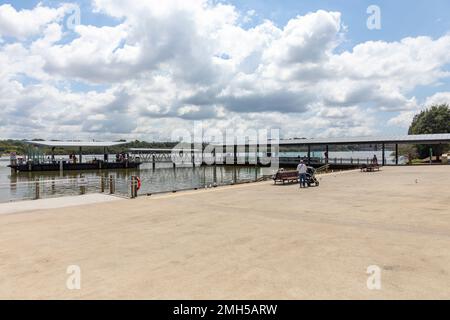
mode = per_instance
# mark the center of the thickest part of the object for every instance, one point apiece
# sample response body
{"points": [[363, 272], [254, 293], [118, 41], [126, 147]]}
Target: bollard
{"points": [[133, 187], [37, 189], [102, 184], [111, 185], [215, 174], [82, 182]]}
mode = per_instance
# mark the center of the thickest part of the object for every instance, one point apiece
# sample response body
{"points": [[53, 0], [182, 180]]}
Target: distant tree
{"points": [[433, 120]]}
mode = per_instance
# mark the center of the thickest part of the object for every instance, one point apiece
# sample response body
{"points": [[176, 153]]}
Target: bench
{"points": [[286, 176], [370, 167]]}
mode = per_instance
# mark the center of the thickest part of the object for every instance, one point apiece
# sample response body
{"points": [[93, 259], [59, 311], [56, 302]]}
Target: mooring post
{"points": [[61, 167], [111, 185], [132, 188], [102, 184], [135, 187], [37, 191]]}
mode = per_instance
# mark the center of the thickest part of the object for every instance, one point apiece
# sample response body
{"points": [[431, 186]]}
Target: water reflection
{"points": [[162, 178]]}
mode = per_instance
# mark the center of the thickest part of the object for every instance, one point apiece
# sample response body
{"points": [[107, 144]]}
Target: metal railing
{"points": [[334, 161], [52, 188], [251, 160]]}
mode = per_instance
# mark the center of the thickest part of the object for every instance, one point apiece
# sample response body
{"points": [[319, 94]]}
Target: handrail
{"points": [[36, 189], [323, 168], [51, 181]]}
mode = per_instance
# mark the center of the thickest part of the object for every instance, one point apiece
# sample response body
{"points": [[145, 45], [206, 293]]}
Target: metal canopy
{"points": [[162, 150], [83, 144], [405, 139], [416, 139]]}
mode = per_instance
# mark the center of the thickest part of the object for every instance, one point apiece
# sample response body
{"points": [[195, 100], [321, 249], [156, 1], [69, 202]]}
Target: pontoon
{"points": [[37, 160]]}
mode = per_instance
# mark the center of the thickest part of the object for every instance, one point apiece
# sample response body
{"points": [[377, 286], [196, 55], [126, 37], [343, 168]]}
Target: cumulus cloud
{"points": [[438, 99], [161, 65], [25, 23]]}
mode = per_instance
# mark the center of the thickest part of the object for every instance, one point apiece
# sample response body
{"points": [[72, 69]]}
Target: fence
{"points": [[39, 189], [334, 160]]}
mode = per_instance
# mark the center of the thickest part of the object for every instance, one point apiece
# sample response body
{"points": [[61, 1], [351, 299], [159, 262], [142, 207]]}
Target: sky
{"points": [[121, 69]]}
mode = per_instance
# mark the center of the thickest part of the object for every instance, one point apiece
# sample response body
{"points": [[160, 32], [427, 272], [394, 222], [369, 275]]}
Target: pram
{"points": [[311, 177]]}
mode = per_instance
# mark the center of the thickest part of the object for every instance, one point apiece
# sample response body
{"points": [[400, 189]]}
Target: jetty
{"points": [[315, 151], [268, 152]]}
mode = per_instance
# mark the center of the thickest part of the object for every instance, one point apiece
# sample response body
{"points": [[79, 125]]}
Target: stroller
{"points": [[311, 179]]}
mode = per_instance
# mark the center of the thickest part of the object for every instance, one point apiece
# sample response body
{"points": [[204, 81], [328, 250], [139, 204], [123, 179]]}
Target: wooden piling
{"points": [[102, 184], [37, 190], [111, 185]]}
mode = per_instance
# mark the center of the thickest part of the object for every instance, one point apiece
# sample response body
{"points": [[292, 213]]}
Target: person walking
{"points": [[375, 160], [301, 168]]}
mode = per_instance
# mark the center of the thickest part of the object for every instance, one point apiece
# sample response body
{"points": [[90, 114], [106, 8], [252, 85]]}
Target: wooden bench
{"points": [[286, 176], [370, 167]]}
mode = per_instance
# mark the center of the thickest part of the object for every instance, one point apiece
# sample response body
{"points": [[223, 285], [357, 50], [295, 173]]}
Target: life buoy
{"points": [[138, 183]]}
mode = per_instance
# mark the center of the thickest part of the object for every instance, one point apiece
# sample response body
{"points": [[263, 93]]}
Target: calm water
{"points": [[164, 178]]}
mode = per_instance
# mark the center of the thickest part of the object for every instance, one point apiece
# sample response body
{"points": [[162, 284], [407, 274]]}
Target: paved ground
{"points": [[51, 203], [253, 241]]}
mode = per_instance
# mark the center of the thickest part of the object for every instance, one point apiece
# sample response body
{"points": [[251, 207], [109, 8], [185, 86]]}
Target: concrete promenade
{"points": [[52, 203], [254, 241]]}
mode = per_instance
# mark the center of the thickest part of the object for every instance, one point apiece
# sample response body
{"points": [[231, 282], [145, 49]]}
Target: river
{"points": [[164, 178]]}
